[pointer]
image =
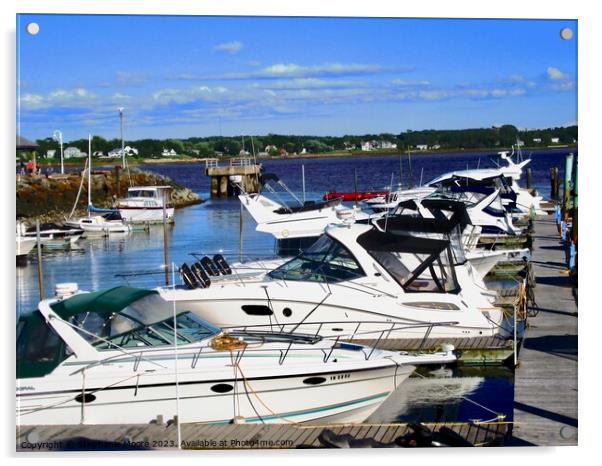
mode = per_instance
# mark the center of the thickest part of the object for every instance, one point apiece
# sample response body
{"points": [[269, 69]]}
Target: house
{"points": [[50, 153], [348, 145], [422, 146], [436, 146], [262, 154], [303, 151], [555, 140], [520, 143], [366, 146], [73, 152], [127, 149], [283, 152], [385, 145], [98, 153], [168, 153], [537, 140], [270, 148], [244, 153]]}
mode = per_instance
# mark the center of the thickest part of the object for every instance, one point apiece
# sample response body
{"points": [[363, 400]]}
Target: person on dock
{"points": [[29, 167]]}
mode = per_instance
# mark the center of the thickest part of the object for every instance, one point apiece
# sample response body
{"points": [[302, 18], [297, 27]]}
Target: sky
{"points": [[184, 76]]}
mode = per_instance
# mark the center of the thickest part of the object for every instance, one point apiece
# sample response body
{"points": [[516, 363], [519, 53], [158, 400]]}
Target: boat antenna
{"points": [[303, 181], [479, 163], [388, 210], [255, 163], [410, 166], [400, 169], [421, 173], [355, 184]]}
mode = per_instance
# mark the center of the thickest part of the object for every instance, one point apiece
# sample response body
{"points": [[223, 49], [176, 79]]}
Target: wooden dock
{"points": [[243, 170], [481, 351], [207, 436], [545, 387]]}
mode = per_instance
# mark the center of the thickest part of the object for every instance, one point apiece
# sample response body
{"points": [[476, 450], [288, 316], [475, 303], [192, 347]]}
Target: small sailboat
{"points": [[124, 355], [97, 223]]}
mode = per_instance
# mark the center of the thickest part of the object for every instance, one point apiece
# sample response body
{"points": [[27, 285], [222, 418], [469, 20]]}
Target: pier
{"points": [[240, 170], [545, 382], [232, 436]]}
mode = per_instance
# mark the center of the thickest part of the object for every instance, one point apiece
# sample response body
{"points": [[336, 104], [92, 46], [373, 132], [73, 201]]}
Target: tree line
{"points": [[275, 144]]}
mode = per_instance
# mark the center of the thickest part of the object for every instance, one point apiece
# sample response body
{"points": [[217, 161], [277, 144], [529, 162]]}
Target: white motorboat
{"points": [[504, 178], [23, 248], [102, 225], [54, 236], [124, 356], [145, 204], [356, 281]]}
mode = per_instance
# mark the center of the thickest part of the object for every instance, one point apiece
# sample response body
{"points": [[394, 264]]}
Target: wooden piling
{"points": [[529, 179], [165, 244], [40, 268], [566, 195], [554, 183]]}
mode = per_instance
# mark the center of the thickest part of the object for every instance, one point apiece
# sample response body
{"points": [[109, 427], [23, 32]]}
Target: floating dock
{"points": [[545, 382]]}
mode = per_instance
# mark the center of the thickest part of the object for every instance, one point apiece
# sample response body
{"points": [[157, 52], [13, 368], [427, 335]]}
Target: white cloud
{"points": [[404, 83], [229, 47], [556, 75]]}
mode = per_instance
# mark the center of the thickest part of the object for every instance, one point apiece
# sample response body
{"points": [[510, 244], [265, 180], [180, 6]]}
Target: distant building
{"points": [[436, 146], [244, 153], [73, 152], [283, 152], [537, 140], [555, 140], [303, 151], [422, 146], [366, 146], [520, 143], [98, 153], [129, 151], [168, 153], [50, 153], [384, 145], [270, 148]]}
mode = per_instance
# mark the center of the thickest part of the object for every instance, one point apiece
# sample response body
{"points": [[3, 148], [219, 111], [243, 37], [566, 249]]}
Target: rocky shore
{"points": [[50, 199]]}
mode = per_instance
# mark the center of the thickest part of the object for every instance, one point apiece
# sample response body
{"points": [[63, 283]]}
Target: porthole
{"points": [[86, 398], [222, 388], [314, 380], [287, 312]]}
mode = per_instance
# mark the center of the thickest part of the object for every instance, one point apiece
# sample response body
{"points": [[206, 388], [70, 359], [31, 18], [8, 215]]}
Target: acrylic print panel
{"points": [[283, 232]]}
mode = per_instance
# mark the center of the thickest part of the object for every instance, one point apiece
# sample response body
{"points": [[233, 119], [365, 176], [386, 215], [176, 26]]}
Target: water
{"points": [[214, 227]]}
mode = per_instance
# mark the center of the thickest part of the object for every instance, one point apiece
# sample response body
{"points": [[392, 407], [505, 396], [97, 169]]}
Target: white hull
{"points": [[24, 246], [97, 225], [142, 215], [350, 393]]}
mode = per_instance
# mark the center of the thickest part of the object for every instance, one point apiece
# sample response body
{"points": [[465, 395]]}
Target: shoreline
{"points": [[324, 155]]}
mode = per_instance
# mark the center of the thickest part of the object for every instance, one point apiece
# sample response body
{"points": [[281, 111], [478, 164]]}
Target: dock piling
{"points": [[40, 268]]}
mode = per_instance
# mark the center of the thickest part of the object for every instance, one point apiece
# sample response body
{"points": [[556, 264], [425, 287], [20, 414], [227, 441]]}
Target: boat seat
{"points": [[222, 264], [209, 266], [201, 275], [188, 277]]}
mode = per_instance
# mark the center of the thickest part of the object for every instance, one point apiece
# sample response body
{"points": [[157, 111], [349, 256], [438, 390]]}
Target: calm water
{"points": [[214, 226]]}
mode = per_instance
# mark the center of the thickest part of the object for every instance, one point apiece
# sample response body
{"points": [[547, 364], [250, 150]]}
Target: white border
{"points": [[589, 139]]}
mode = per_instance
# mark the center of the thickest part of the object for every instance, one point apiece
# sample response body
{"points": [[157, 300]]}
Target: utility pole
{"points": [[120, 109]]}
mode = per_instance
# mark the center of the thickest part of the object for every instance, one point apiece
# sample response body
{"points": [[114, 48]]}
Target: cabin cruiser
{"points": [[24, 245], [355, 281], [125, 356], [283, 221], [146, 204], [519, 201]]}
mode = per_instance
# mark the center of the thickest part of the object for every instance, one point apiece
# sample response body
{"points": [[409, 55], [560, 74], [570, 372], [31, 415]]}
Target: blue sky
{"points": [[181, 76]]}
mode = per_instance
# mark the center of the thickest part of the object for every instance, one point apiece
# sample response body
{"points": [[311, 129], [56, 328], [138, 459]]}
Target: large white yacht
{"points": [[145, 204], [355, 281], [124, 356]]}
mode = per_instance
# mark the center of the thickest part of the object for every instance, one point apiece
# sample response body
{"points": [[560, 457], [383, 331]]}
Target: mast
{"points": [[89, 172]]}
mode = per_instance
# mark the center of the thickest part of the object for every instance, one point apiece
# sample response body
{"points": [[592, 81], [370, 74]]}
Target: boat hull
{"points": [[344, 396], [146, 214]]}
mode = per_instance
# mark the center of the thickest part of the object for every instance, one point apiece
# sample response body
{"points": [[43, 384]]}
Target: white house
{"points": [[73, 152], [270, 148], [422, 146], [386, 145], [520, 143], [436, 146], [555, 140], [50, 153], [168, 153], [366, 145], [537, 140], [127, 149], [98, 153]]}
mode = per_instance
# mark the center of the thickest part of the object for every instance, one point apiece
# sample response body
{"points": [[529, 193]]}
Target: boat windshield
{"points": [[326, 260], [142, 193], [189, 329], [430, 273]]}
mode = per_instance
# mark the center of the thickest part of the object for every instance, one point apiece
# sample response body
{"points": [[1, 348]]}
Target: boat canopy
{"points": [[113, 300], [440, 223], [375, 240]]}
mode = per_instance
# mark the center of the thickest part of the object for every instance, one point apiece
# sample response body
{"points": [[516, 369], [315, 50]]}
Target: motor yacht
{"points": [[146, 204], [125, 356], [355, 281]]}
